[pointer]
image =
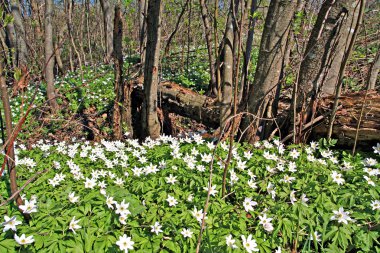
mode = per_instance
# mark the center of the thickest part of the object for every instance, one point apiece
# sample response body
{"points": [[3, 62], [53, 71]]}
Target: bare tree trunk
{"points": [[101, 29], [69, 13], [118, 64], [57, 49], [87, 3], [243, 92], [326, 39], [36, 15], [321, 47], [150, 123], [143, 8], [12, 43], [7, 52], [49, 56], [345, 35], [272, 51], [58, 59], [20, 34], [360, 9], [81, 32], [208, 35], [72, 68], [227, 68], [108, 14], [374, 72]]}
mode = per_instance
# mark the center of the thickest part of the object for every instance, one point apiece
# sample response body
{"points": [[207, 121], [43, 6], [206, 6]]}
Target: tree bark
{"points": [[108, 14], [82, 33], [272, 50], [143, 6], [22, 49], [324, 42], [12, 43], [150, 124], [208, 36], [57, 49], [227, 68], [69, 9], [374, 72], [118, 65], [345, 35], [244, 88], [88, 32], [49, 56], [182, 101], [175, 98]]}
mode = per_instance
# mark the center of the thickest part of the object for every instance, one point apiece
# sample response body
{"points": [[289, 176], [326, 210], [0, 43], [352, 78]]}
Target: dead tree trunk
{"points": [[108, 14], [49, 56], [150, 124], [272, 50], [174, 98], [118, 64]]}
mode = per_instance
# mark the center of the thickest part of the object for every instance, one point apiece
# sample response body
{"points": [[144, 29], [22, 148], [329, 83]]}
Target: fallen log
{"points": [[176, 99], [347, 118]]}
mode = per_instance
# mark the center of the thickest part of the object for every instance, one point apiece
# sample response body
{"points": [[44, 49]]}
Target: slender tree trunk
{"points": [[49, 56], [70, 6], [243, 92], [57, 51], [36, 15], [81, 32], [12, 43], [101, 31], [9, 129], [71, 60], [208, 36], [118, 64], [184, 7], [374, 72], [20, 34], [216, 50], [88, 32], [272, 51], [227, 68], [143, 31], [108, 14], [7, 53], [150, 123]]}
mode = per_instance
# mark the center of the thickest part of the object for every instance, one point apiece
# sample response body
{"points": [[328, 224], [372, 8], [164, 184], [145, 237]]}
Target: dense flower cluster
{"points": [[128, 195]]}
